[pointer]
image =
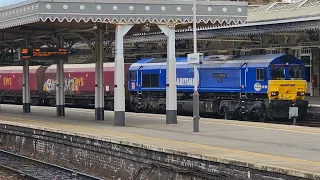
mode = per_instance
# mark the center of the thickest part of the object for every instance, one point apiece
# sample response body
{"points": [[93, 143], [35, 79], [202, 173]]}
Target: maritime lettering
{"points": [[185, 81]]}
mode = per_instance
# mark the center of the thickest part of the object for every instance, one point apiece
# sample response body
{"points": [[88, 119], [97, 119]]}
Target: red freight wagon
{"points": [[11, 81], [80, 83]]}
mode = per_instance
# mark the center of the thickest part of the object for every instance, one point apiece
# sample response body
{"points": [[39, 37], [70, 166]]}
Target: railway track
{"points": [[31, 169]]}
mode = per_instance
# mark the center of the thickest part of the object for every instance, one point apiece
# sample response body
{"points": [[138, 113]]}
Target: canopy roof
{"points": [[275, 17], [126, 11], [42, 22]]}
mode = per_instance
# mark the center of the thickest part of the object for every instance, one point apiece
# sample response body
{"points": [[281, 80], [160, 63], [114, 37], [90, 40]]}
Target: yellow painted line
{"points": [[153, 140], [186, 119]]}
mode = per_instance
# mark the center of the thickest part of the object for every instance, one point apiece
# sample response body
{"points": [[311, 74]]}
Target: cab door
{"points": [[243, 77], [134, 79]]}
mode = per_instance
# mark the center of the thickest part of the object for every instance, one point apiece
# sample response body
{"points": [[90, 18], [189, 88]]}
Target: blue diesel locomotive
{"points": [[228, 85]]}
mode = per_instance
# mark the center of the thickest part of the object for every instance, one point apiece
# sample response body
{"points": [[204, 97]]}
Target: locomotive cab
{"points": [[287, 87]]}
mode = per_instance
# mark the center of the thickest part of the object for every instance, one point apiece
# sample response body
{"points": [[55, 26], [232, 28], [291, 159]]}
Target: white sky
{"points": [[8, 2]]}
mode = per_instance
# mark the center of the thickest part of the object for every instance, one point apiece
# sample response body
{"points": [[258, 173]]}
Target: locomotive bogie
{"points": [[279, 109]]}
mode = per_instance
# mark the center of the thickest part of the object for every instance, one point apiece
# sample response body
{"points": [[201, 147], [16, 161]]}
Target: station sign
{"points": [[195, 58], [44, 54]]}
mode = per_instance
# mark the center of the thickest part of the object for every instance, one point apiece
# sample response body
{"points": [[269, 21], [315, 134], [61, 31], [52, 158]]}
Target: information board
{"points": [[195, 58], [44, 54]]}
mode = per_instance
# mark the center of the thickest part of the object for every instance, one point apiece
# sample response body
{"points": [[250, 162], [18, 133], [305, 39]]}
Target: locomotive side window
{"points": [[277, 73], [260, 74], [150, 80], [133, 75]]}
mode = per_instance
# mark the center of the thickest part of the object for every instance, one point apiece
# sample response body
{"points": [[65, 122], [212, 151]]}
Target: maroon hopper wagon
{"points": [[79, 84]]}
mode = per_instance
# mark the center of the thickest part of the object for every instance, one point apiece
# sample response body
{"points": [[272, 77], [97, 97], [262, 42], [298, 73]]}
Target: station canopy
{"points": [[42, 21]]}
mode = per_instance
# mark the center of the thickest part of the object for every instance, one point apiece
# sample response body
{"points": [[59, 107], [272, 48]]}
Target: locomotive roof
{"points": [[224, 61]]}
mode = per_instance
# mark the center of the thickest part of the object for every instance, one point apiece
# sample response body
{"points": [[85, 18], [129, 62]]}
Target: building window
{"points": [[245, 53], [260, 74], [150, 80]]}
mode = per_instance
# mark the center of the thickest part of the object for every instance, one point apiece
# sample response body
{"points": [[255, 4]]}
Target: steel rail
{"points": [[26, 165]]}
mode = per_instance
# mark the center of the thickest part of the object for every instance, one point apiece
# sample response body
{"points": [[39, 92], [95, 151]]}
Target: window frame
{"points": [[284, 72], [135, 75], [151, 77], [260, 74]]}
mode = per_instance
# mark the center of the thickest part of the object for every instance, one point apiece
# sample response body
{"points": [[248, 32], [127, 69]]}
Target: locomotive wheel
{"points": [[246, 116], [263, 115], [223, 110], [137, 109], [229, 115]]}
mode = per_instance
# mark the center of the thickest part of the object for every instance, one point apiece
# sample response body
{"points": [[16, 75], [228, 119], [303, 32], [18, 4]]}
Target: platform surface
{"points": [[313, 100], [294, 149]]}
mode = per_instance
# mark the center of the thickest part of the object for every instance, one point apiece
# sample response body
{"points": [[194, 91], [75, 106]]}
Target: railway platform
{"points": [[313, 101], [276, 148]]}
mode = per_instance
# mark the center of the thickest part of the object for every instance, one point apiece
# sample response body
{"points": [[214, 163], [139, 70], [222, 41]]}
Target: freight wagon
{"points": [[79, 84]]}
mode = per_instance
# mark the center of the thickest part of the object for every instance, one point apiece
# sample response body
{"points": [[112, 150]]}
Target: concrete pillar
{"points": [[99, 92], [60, 97], [26, 85], [119, 89], [171, 90]]}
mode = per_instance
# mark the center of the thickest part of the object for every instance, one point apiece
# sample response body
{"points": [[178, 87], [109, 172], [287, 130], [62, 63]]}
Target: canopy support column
{"points": [[171, 84], [60, 97], [26, 85], [99, 90], [119, 88]]}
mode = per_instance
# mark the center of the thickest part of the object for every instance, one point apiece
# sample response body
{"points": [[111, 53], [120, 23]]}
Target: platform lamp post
{"points": [[195, 59]]}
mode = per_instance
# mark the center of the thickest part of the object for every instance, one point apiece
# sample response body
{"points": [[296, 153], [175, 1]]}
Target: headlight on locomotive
{"points": [[300, 93], [274, 93]]}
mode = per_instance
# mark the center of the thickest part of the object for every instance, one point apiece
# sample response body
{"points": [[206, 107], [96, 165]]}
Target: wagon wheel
{"points": [[111, 106], [34, 101], [52, 102]]}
